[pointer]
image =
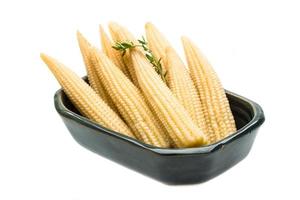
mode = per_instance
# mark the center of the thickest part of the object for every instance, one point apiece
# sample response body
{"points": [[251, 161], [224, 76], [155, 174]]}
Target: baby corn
{"points": [[178, 78], [157, 42], [111, 53], [84, 98], [121, 34], [182, 86], [216, 107], [174, 117], [130, 102], [142, 89], [94, 81]]}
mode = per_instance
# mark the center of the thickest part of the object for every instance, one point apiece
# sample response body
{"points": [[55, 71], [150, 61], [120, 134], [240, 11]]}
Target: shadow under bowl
{"points": [[171, 166]]}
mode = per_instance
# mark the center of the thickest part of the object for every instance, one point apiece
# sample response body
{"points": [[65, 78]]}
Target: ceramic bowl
{"points": [[171, 166]]}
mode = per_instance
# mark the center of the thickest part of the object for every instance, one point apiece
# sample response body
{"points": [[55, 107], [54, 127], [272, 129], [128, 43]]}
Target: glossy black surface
{"points": [[171, 166]]}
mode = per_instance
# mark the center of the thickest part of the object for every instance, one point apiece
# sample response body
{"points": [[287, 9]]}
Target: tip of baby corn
{"points": [[78, 33], [48, 60], [105, 40], [149, 25], [185, 40], [114, 26], [54, 66], [101, 29], [81, 39]]}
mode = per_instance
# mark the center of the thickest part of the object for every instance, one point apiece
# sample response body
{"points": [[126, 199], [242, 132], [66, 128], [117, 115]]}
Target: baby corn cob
{"points": [[216, 107], [111, 53], [157, 42], [129, 102], [182, 86], [94, 81], [85, 99], [174, 117], [121, 34], [178, 78]]}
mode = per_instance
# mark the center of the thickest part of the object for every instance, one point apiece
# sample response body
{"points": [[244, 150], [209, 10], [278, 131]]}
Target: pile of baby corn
{"points": [[126, 94]]}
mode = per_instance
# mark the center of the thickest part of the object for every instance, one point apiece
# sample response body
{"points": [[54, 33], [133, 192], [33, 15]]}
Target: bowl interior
{"points": [[242, 111]]}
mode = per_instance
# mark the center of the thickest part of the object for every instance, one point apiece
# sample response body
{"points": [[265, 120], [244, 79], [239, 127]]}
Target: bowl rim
{"points": [[257, 119]]}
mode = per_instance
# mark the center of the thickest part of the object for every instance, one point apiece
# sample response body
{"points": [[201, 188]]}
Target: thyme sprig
{"points": [[156, 63], [123, 46]]}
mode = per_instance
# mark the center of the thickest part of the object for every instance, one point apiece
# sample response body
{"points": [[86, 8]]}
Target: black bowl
{"points": [[171, 166]]}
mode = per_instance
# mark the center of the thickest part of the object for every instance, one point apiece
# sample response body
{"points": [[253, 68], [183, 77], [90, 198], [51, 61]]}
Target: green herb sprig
{"points": [[156, 63], [123, 46]]}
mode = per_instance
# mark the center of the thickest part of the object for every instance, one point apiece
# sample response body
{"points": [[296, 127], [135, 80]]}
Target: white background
{"points": [[253, 45]]}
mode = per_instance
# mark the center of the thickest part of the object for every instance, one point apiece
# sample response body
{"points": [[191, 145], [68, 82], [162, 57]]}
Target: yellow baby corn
{"points": [[129, 101], [178, 77], [174, 117], [219, 119], [85, 99], [90, 68], [182, 86], [111, 53], [121, 34], [157, 42]]}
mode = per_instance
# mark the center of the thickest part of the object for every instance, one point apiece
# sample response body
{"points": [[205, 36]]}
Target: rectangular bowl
{"points": [[171, 166]]}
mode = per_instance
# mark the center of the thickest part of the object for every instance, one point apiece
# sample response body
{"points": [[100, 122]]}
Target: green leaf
{"points": [[145, 48], [126, 45], [149, 57]]}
